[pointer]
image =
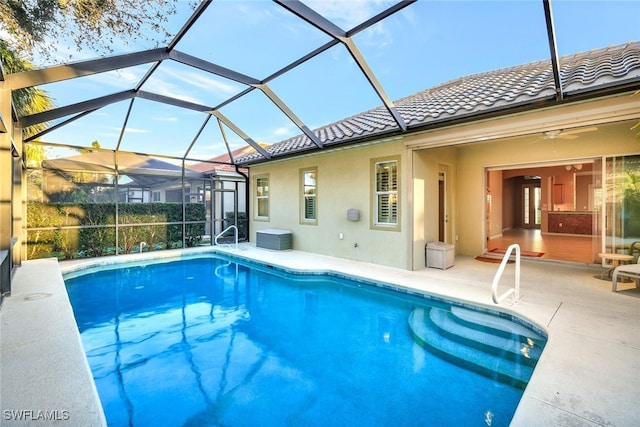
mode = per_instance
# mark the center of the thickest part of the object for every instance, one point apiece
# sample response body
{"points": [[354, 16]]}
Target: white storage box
{"points": [[439, 255]]}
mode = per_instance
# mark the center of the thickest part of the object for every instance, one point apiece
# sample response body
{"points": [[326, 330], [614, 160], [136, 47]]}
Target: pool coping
{"points": [[576, 310], [45, 377]]}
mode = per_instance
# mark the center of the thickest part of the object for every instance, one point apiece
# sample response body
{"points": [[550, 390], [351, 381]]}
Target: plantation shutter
{"points": [[387, 192], [309, 202]]}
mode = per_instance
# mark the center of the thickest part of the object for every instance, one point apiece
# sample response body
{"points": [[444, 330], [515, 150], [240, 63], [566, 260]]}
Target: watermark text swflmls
{"points": [[35, 415]]}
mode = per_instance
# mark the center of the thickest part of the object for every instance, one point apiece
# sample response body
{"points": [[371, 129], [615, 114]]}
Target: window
{"points": [[173, 195], [156, 196], [309, 198], [262, 197], [385, 200]]}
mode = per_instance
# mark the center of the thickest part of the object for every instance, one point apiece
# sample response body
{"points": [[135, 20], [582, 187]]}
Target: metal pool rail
{"points": [[224, 231], [515, 291]]}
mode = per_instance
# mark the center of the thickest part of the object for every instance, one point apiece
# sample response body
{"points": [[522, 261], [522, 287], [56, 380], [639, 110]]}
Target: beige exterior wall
{"points": [[427, 164], [472, 156], [344, 182]]}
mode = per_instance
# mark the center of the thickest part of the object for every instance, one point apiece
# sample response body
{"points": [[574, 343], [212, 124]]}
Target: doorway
{"points": [[548, 209], [531, 206], [224, 202], [443, 216]]}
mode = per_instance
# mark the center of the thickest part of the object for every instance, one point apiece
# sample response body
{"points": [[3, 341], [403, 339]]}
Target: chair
{"points": [[628, 270], [634, 250]]}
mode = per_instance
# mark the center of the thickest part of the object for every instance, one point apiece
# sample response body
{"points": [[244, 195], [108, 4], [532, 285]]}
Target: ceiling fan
{"points": [[567, 134]]}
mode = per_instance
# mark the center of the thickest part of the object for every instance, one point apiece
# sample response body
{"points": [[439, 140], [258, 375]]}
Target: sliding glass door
{"points": [[620, 205]]}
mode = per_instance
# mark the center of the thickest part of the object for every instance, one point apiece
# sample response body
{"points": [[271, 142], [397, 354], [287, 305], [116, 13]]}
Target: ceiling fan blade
{"points": [[579, 130], [551, 134]]}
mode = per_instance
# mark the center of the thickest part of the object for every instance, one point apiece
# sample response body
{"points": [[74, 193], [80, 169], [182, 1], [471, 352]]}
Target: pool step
{"points": [[489, 333], [489, 345], [496, 325]]}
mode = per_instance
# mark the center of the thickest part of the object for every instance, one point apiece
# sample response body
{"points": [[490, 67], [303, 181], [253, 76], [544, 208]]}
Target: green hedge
{"points": [[242, 224], [99, 238], [631, 213]]}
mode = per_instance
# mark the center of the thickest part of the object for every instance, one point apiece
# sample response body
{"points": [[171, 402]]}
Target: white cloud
{"points": [[278, 134], [348, 14], [170, 119], [162, 87], [130, 76], [189, 81], [134, 130], [282, 131], [202, 81]]}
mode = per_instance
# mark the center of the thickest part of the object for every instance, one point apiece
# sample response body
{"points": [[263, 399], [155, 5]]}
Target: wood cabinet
{"points": [[571, 222]]}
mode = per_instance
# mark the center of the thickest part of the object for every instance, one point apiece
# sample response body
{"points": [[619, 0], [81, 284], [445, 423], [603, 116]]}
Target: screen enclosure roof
{"points": [[281, 77]]}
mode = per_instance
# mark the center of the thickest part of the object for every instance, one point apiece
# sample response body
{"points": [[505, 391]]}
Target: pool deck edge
{"points": [[45, 377]]}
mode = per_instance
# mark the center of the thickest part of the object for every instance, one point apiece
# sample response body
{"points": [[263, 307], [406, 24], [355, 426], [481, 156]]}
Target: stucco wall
{"points": [[426, 166], [344, 182]]}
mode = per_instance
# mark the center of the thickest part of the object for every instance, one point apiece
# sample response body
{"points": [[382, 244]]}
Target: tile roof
{"points": [[128, 163], [142, 169], [478, 94], [223, 163]]}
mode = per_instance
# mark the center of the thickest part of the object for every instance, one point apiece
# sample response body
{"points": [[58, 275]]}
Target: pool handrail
{"points": [[224, 231], [515, 291]]}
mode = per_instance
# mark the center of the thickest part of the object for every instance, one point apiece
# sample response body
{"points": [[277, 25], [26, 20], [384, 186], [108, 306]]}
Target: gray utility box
{"points": [[439, 255], [279, 240]]}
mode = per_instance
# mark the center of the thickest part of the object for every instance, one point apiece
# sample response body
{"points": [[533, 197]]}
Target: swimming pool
{"points": [[219, 341]]}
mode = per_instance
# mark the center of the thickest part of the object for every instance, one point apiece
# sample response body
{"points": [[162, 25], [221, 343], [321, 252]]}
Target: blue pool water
{"points": [[213, 341]]}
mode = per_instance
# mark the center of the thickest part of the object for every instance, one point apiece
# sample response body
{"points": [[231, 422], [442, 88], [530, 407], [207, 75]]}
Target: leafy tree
{"points": [[94, 144], [26, 101], [95, 24]]}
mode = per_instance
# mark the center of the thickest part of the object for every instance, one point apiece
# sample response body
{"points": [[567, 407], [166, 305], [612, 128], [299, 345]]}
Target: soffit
{"points": [[560, 118]]}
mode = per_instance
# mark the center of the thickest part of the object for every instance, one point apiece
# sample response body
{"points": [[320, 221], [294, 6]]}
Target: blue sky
{"points": [[425, 44]]}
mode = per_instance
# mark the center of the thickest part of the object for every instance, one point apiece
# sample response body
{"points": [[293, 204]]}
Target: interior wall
{"points": [[563, 192], [509, 204], [583, 182]]}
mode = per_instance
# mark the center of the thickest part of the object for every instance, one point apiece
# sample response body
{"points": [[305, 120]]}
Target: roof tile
{"points": [[493, 90]]}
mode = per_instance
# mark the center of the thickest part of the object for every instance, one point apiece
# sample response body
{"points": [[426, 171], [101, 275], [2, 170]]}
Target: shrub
{"points": [[242, 223], [137, 222]]}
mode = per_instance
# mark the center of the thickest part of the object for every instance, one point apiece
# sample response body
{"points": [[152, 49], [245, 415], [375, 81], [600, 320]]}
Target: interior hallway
{"points": [[582, 249]]}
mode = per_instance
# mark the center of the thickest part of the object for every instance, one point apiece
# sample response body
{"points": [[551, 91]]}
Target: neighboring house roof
{"points": [[144, 170], [479, 95], [223, 162]]}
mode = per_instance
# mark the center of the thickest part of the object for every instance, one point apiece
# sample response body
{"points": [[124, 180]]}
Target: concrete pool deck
{"points": [[588, 375]]}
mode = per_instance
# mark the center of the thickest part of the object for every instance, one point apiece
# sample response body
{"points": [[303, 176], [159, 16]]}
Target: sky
{"points": [[421, 46]]}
